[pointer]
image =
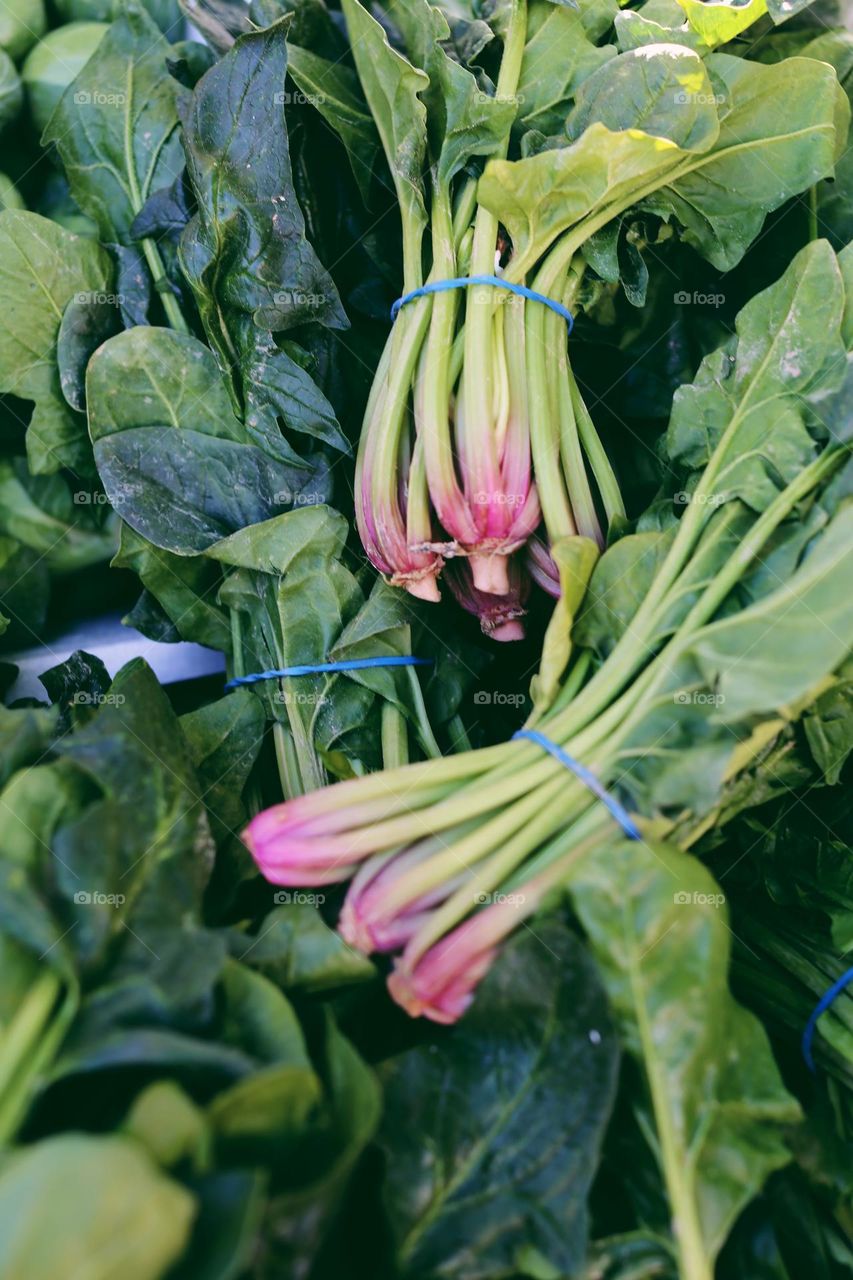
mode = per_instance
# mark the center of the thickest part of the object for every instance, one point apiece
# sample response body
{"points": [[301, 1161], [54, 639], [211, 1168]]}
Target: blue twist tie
{"points": [[320, 668], [821, 1007], [462, 282], [588, 778]]}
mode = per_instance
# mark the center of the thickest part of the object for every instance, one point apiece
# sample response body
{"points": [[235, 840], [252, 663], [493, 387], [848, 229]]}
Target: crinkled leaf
{"points": [[276, 386], [462, 120], [245, 251]]}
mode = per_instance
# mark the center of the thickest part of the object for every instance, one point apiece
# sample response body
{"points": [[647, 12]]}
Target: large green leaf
{"points": [[148, 376], [393, 87], [558, 56], [718, 1109], [540, 197], [43, 267], [175, 461], [184, 490], [771, 654], [782, 128], [514, 1100], [752, 396], [245, 252], [663, 91], [116, 126]]}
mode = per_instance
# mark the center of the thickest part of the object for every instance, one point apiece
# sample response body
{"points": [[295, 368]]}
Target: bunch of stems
{"points": [[430, 843], [475, 431]]}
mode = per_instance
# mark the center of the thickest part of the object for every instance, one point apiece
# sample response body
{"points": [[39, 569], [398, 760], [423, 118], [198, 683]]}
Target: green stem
{"points": [[478, 389], [161, 284], [289, 773], [426, 737], [29, 1045], [395, 739]]}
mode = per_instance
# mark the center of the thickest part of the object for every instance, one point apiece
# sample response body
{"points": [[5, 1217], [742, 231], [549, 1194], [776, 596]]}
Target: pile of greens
{"points": [[210, 421]]}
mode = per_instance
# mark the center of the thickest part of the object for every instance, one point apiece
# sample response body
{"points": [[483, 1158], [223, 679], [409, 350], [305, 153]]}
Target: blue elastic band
{"points": [[320, 668], [462, 282], [626, 822], [822, 1005]]}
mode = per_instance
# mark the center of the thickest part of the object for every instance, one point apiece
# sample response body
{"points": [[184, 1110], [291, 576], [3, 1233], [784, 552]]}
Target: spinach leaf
{"points": [[175, 461], [43, 268], [392, 87], [718, 21], [67, 530], [116, 131], [558, 57], [245, 252], [515, 1099], [657, 925]]}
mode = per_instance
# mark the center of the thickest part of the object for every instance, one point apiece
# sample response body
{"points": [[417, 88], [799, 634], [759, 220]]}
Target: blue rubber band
{"points": [[588, 778], [821, 1007], [320, 668], [462, 282]]}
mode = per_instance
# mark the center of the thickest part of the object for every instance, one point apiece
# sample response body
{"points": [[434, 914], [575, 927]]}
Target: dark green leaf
{"points": [[515, 1099]]}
